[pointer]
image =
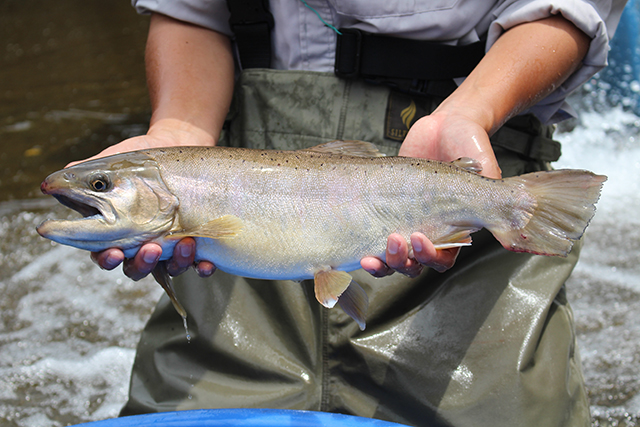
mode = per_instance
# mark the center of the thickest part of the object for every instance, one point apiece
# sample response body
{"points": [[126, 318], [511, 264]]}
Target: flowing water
{"points": [[72, 82]]}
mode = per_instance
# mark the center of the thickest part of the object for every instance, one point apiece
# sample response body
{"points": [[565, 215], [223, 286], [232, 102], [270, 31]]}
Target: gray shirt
{"points": [[303, 42]]}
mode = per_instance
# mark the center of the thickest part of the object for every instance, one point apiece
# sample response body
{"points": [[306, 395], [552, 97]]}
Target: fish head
{"points": [[122, 198]]}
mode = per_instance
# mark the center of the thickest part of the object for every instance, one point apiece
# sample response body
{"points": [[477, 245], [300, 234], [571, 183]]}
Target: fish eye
{"points": [[100, 182]]}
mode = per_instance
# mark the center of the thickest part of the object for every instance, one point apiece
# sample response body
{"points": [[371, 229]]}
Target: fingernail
{"points": [[111, 262], [393, 247], [417, 245], [150, 257], [185, 251]]}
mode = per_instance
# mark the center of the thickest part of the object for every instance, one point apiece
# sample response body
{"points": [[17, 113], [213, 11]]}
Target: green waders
{"points": [[491, 342]]}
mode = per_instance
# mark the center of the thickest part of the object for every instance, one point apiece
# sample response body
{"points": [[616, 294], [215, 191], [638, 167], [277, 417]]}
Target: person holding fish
{"points": [[478, 336]]}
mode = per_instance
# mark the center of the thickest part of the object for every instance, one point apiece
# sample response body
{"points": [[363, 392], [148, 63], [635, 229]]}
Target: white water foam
{"points": [[68, 331], [604, 290]]}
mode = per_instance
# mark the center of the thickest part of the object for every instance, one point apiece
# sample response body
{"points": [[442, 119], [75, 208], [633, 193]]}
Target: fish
{"points": [[311, 213]]}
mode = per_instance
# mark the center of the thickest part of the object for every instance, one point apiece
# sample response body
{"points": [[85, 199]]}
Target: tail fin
{"points": [[565, 203]]}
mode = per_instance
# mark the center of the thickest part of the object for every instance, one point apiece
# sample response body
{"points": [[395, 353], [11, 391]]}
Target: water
{"points": [[72, 82], [605, 288]]}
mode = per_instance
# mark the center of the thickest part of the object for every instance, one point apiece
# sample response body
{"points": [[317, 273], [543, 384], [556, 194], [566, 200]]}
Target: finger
{"points": [[183, 256], [425, 253], [397, 256], [108, 259], [205, 268], [145, 260], [375, 267]]}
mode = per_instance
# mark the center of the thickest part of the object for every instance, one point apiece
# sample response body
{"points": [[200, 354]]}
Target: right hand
{"points": [[445, 135], [163, 133]]}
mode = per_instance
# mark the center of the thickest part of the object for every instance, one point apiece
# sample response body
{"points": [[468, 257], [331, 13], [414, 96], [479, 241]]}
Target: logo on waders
{"points": [[402, 112]]}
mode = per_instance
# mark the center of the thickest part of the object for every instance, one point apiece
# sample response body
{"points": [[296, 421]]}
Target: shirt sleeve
{"points": [[213, 15], [598, 19]]}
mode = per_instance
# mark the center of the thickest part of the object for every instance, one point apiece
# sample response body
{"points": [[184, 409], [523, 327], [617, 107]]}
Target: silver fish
{"points": [[314, 213]]}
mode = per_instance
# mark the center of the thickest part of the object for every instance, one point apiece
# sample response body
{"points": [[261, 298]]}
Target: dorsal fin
{"points": [[468, 164], [347, 148]]}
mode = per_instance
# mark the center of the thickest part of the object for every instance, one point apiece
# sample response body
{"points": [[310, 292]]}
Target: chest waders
{"points": [[491, 342]]}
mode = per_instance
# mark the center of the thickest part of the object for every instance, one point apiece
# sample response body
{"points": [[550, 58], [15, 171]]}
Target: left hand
{"points": [[446, 136]]}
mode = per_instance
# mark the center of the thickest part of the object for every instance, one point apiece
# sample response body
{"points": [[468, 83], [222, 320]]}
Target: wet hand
{"points": [[163, 133], [147, 258], [444, 136], [410, 261]]}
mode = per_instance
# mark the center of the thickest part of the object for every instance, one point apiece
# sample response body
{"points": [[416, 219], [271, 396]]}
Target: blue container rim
{"points": [[241, 418]]}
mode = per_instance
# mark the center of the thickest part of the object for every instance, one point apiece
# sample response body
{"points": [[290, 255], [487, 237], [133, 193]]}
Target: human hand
{"points": [[445, 135], [164, 133], [147, 258]]}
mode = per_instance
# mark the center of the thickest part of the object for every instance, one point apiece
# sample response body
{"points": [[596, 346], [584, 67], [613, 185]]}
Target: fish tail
{"points": [[564, 203]]}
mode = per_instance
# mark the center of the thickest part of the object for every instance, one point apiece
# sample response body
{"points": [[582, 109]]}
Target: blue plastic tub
{"points": [[241, 418]]}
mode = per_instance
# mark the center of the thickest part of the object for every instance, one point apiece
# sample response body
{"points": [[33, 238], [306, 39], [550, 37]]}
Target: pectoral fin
{"points": [[225, 227], [161, 275]]}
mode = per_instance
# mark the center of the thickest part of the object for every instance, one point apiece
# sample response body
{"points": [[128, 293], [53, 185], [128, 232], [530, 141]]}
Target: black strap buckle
{"points": [[249, 12], [251, 23], [348, 50]]}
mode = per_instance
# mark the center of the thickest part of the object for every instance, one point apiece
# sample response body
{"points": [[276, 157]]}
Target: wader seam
{"points": [[324, 397], [343, 110]]}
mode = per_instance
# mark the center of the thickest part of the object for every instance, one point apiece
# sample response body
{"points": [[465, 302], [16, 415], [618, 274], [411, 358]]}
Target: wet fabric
{"points": [[491, 342]]}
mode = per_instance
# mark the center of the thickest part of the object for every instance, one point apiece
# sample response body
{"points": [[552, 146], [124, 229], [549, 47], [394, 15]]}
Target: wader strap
{"points": [[527, 136], [533, 146], [251, 23], [361, 54]]}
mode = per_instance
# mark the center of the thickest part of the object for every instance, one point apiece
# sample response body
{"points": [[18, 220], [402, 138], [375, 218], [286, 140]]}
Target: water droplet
{"points": [[186, 328]]}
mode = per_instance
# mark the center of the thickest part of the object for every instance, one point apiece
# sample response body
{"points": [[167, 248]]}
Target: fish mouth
{"points": [[86, 206], [84, 209], [82, 232]]}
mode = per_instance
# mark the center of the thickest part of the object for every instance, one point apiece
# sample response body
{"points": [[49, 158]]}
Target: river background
{"points": [[72, 82]]}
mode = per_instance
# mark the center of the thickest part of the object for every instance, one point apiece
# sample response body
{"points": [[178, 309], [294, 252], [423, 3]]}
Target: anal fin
{"points": [[455, 239], [449, 245]]}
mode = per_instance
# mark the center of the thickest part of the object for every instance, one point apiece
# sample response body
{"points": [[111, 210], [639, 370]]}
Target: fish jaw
{"points": [[123, 205]]}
